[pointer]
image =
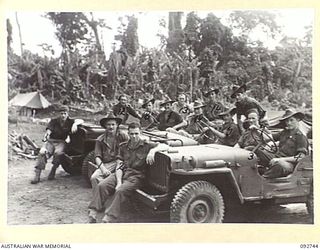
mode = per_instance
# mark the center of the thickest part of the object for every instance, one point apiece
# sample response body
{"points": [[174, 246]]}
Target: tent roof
{"points": [[31, 100]]}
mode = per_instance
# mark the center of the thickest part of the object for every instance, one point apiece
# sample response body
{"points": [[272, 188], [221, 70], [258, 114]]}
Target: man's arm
{"points": [[160, 147], [98, 158], [75, 124], [178, 118], [132, 112], [119, 174], [292, 159], [217, 133], [180, 125]]}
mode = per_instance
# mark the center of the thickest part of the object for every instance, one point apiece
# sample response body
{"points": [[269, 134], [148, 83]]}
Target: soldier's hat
{"points": [[238, 89], [252, 110], [147, 101], [63, 108], [109, 117], [198, 104], [167, 100], [291, 112], [215, 90]]}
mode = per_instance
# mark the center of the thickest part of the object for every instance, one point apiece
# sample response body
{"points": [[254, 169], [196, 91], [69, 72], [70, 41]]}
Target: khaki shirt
{"points": [[168, 119], [252, 138], [107, 152], [212, 109], [232, 134], [135, 157], [291, 142], [183, 110]]}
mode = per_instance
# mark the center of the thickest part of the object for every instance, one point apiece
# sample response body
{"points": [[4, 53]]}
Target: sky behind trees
{"points": [[36, 29]]}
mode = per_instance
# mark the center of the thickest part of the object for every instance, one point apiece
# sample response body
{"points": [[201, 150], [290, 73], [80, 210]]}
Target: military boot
{"points": [[52, 173], [36, 178]]}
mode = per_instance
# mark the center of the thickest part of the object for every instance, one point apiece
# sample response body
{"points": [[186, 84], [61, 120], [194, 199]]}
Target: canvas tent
{"points": [[29, 102]]}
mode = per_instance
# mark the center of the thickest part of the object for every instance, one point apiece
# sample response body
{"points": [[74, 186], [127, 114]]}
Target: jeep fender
{"points": [[212, 172]]}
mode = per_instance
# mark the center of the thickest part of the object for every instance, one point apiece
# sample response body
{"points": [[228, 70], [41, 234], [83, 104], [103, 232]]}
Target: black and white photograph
{"points": [[160, 117]]}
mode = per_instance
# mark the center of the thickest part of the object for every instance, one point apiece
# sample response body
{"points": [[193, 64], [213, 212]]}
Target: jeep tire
{"points": [[310, 201], [87, 170], [197, 202], [70, 167]]}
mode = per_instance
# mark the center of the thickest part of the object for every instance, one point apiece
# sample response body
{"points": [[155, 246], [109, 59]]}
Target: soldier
{"points": [[213, 107], [197, 127], [244, 103], [107, 149], [130, 174], [229, 134], [56, 137], [293, 146], [251, 137], [123, 109], [169, 118], [182, 107], [148, 118]]}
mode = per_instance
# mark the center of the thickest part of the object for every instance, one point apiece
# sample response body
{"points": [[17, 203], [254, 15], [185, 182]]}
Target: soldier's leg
{"points": [[100, 194], [280, 169], [45, 153], [96, 178], [264, 156], [59, 148], [130, 183], [104, 189]]}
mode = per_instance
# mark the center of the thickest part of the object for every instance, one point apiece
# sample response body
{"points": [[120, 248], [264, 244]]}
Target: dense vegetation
{"points": [[201, 54]]}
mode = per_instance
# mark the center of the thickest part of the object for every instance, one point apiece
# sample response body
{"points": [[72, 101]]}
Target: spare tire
{"points": [[87, 170], [70, 165]]}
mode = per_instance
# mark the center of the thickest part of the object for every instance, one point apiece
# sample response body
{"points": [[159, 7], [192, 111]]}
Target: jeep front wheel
{"points": [[87, 170], [197, 202]]}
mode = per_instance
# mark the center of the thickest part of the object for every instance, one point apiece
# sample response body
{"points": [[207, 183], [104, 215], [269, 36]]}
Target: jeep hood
{"points": [[199, 156]]}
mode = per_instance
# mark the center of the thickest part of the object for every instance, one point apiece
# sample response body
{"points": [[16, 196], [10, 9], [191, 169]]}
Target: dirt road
{"points": [[65, 199]]}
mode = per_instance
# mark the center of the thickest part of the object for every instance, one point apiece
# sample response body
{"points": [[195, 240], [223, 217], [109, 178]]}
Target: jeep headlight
{"points": [[187, 163]]}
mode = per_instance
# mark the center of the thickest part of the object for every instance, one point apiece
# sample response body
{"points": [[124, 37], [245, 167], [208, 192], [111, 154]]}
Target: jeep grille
{"points": [[158, 174]]}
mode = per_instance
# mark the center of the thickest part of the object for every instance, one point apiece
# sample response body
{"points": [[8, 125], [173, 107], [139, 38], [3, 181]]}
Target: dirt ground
{"points": [[65, 199]]}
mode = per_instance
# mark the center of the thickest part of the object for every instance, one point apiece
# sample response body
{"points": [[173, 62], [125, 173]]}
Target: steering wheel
{"points": [[207, 134], [259, 138]]}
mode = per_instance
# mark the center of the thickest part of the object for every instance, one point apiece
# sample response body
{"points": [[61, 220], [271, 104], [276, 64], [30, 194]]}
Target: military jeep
{"points": [[199, 183], [80, 151], [203, 183]]}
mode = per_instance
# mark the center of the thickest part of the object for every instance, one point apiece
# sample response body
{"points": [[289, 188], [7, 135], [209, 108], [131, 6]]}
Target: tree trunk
{"points": [[20, 37], [196, 81], [40, 79], [87, 84], [190, 82], [67, 70]]}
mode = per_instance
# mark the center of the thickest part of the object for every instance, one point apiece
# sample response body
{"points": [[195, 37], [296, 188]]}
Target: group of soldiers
{"points": [[121, 157]]}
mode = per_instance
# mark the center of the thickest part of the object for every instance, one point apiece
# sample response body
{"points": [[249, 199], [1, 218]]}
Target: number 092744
{"points": [[308, 246]]}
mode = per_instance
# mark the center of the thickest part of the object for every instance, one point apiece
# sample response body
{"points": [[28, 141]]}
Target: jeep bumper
{"points": [[152, 201]]}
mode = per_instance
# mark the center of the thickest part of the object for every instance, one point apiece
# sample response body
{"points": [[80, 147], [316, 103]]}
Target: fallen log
{"points": [[28, 156], [30, 142]]}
